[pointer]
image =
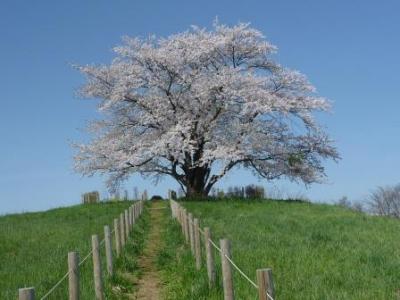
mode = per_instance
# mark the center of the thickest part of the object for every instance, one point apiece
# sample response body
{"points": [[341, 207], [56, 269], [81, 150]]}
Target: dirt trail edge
{"points": [[149, 286]]}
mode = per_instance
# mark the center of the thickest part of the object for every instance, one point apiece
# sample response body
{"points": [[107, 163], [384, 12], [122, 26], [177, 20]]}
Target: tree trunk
{"points": [[195, 192], [196, 183]]}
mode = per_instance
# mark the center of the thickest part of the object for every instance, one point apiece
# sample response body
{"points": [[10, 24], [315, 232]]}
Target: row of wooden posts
{"points": [[191, 230], [122, 228]]}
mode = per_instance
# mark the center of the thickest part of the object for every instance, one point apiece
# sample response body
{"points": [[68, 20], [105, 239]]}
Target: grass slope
{"points": [[315, 251], [127, 271], [34, 247]]}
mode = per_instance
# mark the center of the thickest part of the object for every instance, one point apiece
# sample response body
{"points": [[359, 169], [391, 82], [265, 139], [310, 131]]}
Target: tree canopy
{"points": [[196, 104]]}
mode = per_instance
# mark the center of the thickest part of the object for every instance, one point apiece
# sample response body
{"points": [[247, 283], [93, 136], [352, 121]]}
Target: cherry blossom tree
{"points": [[199, 103]]}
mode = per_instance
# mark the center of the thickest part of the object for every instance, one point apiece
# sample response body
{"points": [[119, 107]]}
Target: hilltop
{"points": [[316, 251]]}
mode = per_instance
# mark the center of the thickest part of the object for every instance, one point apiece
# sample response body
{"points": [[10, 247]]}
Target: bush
{"points": [[385, 201], [91, 197], [254, 191], [156, 197], [356, 206], [250, 191]]}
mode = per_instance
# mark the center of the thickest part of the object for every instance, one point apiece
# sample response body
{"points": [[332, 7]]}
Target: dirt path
{"points": [[149, 283]]}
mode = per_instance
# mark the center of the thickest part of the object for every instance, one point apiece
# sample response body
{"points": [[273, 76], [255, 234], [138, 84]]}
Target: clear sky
{"points": [[350, 50]]}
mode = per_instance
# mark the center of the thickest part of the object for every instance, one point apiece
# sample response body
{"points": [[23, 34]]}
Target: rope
{"points": [[86, 257], [215, 246], [55, 286], [240, 271], [66, 274], [233, 263]]}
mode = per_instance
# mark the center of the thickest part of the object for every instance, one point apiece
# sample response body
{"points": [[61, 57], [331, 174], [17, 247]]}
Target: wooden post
{"points": [[187, 228], [127, 228], [129, 218], [135, 210], [122, 229], [265, 284], [98, 281], [182, 220], [191, 232], [73, 275], [26, 293], [171, 205], [179, 212], [227, 278], [210, 257], [117, 237], [197, 243], [186, 231], [108, 245], [132, 216]]}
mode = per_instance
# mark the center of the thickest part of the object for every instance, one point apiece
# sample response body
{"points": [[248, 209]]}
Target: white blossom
{"points": [[198, 103]]}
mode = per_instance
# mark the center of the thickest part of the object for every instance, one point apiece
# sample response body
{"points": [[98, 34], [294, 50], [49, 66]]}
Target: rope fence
{"points": [[55, 286], [230, 260], [121, 232], [190, 229]]}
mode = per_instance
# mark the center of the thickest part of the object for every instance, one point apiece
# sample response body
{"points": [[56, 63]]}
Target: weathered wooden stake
{"points": [[26, 293], [73, 275], [227, 278], [179, 212], [98, 281], [197, 243], [172, 207], [210, 257], [122, 229], [117, 237], [127, 227], [182, 220], [135, 210], [187, 228], [265, 284], [191, 232], [129, 218], [108, 246], [133, 215]]}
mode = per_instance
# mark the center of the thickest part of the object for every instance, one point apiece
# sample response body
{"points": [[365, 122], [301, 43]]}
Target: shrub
{"points": [[92, 197], [385, 201], [254, 191]]}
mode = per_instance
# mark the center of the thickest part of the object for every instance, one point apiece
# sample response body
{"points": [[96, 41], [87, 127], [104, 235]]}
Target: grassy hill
{"points": [[315, 251], [34, 247]]}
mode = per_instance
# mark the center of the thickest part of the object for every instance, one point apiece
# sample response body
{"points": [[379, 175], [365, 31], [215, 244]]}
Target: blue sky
{"points": [[348, 49]]}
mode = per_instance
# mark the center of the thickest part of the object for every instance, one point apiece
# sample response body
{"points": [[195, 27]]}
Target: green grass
{"points": [[127, 271], [34, 247], [315, 251]]}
